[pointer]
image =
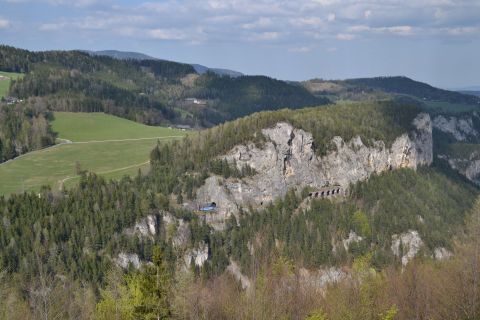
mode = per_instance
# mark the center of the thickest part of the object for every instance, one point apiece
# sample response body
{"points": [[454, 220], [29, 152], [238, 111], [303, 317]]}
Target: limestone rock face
{"points": [[146, 227], [442, 254], [406, 245], [198, 255], [469, 167], [462, 129], [288, 160], [125, 259]]}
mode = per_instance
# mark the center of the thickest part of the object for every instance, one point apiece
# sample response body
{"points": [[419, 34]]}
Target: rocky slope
{"points": [[288, 160], [464, 132]]}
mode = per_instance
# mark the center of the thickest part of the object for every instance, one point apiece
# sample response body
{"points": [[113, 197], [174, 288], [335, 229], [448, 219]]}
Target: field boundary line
{"points": [[120, 140], [62, 182]]}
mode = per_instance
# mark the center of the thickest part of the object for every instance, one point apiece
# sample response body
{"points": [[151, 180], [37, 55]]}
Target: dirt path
{"points": [[61, 182], [119, 140]]}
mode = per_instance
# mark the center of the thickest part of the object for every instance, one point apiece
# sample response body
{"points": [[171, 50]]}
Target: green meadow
{"points": [[109, 146], [5, 79]]}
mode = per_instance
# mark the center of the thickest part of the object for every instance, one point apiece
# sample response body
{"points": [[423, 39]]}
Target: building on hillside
{"points": [[12, 100], [196, 101], [183, 127]]}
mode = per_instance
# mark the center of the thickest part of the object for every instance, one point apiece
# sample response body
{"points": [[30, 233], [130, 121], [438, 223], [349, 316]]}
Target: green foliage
{"points": [[5, 80], [115, 299], [391, 313], [154, 288], [425, 200], [361, 224], [240, 96], [319, 315], [23, 130], [149, 91]]}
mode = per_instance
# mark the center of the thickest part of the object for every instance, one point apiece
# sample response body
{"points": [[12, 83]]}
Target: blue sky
{"points": [[437, 41]]}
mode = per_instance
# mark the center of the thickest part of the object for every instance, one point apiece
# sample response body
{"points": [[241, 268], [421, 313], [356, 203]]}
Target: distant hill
{"points": [[404, 85], [123, 55], [369, 89], [222, 72], [200, 69], [471, 92]]}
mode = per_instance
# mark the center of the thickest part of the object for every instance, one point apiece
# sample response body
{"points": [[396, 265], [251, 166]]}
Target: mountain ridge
{"points": [[123, 55]]}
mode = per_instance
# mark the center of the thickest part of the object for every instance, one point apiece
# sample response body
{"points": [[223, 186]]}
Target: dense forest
{"points": [[23, 130], [149, 91], [58, 269]]}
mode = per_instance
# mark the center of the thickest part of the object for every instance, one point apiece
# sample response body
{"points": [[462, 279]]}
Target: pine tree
{"points": [[155, 285]]}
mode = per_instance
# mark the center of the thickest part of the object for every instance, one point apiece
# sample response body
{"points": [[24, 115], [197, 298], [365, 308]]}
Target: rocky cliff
{"points": [[288, 160], [463, 130]]}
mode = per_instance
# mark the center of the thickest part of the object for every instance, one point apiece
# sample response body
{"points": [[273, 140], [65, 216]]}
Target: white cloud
{"points": [[399, 30], [296, 22], [326, 2], [345, 36], [259, 23], [462, 31], [264, 36], [300, 49], [166, 34], [4, 23], [307, 22]]}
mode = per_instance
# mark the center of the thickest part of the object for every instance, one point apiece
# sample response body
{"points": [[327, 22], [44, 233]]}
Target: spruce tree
{"points": [[154, 283]]}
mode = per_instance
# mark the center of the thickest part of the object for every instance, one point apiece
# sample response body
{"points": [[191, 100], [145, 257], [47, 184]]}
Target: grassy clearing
{"points": [[110, 159], [5, 79], [80, 127]]}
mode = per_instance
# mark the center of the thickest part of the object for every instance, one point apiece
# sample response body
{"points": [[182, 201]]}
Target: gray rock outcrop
{"points": [[406, 245], [462, 129], [288, 160]]}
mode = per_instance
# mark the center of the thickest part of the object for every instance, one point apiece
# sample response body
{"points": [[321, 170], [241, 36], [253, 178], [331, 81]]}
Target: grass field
{"points": [[92, 147], [5, 78]]}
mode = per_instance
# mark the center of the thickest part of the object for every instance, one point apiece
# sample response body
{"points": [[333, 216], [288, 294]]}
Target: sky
{"points": [[435, 41]]}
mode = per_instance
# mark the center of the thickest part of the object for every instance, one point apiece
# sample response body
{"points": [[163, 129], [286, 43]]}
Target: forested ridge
{"points": [[148, 91], [371, 89]]}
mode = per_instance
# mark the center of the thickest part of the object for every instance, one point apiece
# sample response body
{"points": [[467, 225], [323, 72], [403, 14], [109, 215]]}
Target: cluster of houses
{"points": [[12, 100]]}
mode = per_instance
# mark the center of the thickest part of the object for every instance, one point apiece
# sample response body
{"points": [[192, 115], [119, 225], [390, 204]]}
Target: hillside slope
{"points": [[149, 91]]}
